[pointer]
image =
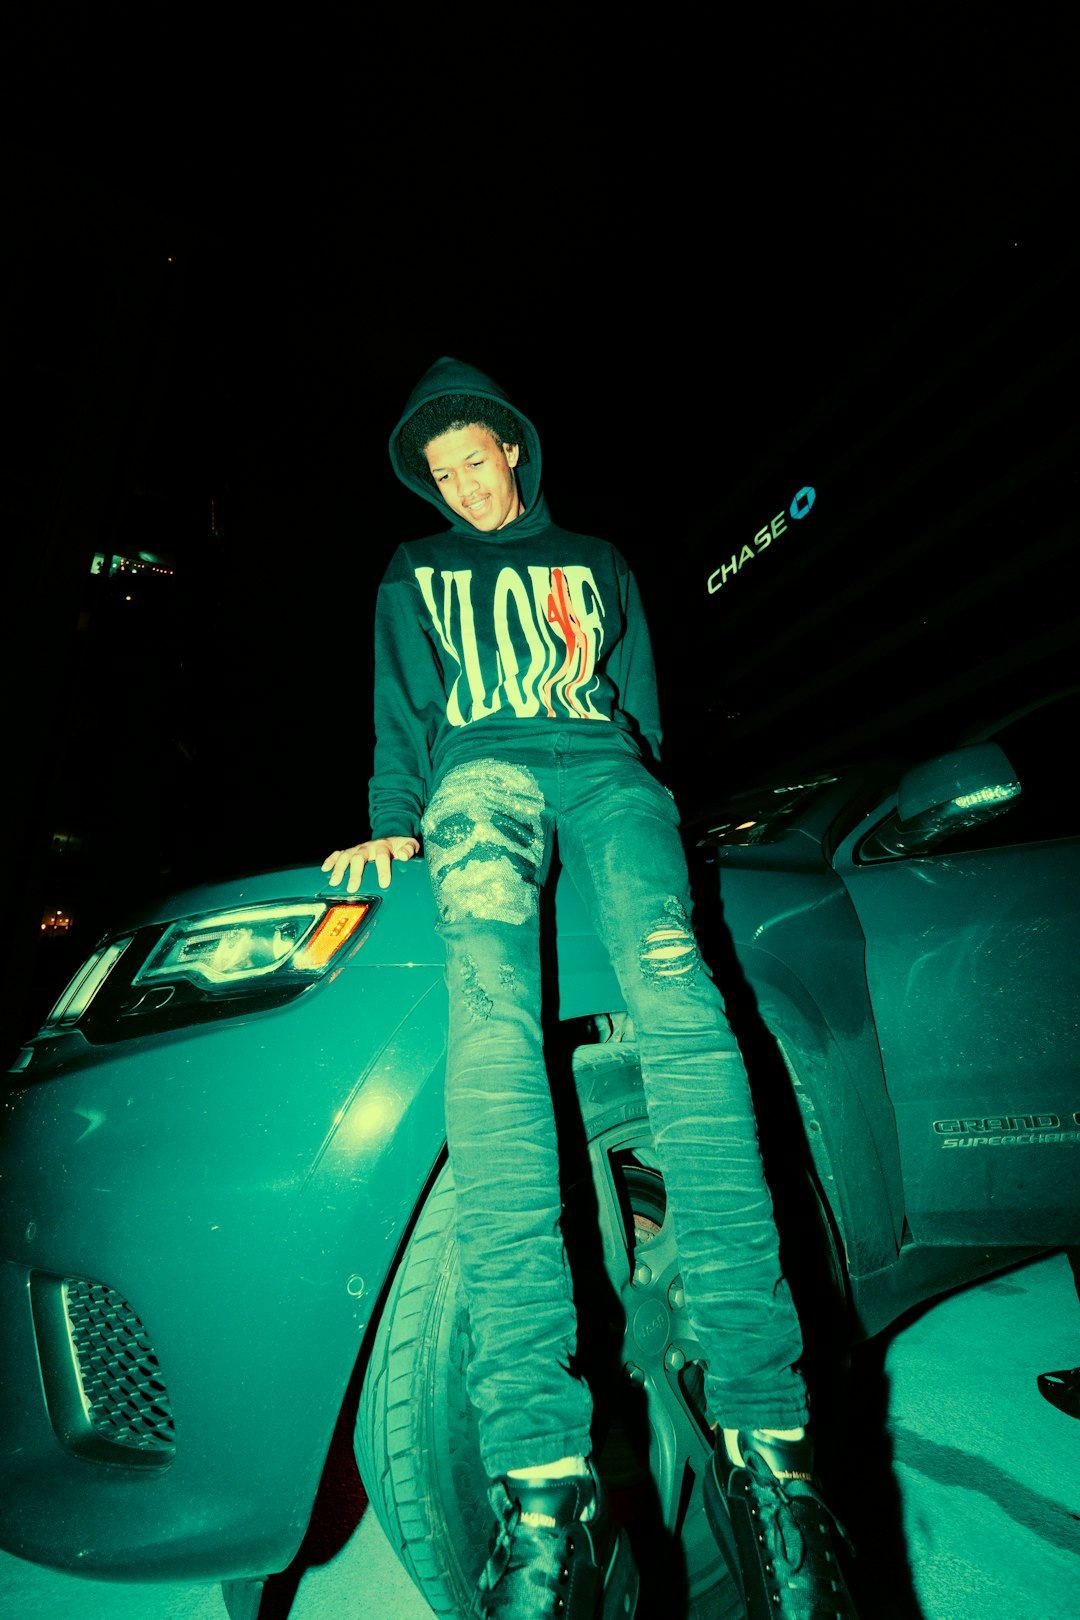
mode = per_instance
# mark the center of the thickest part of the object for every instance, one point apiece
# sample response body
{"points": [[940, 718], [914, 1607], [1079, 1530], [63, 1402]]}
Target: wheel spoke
{"points": [[661, 1255], [678, 1447]]}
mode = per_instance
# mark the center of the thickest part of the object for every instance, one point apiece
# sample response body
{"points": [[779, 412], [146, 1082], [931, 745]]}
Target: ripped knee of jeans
{"points": [[669, 953], [476, 997], [484, 839]]}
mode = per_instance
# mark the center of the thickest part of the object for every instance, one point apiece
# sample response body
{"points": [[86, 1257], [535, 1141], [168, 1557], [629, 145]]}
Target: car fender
{"points": [[842, 1137], [228, 1233]]}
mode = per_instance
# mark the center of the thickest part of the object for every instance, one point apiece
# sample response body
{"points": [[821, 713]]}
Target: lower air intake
{"points": [[126, 1400]]}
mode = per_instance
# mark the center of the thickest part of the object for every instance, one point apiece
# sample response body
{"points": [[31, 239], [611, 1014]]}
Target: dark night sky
{"points": [[669, 276], [649, 394], [662, 376], [663, 390]]}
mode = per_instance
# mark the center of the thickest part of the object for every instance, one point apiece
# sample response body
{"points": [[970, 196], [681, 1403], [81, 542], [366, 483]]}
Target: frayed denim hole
{"points": [[476, 997], [669, 953]]}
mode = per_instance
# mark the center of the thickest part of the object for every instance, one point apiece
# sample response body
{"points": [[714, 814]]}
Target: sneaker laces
{"points": [[509, 1513], [518, 1531], [779, 1518]]}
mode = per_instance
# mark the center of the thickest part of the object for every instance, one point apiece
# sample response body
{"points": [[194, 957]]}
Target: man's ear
{"points": [[511, 452]]}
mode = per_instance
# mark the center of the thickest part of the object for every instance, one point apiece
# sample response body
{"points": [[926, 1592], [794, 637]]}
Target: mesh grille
{"points": [[126, 1399]]}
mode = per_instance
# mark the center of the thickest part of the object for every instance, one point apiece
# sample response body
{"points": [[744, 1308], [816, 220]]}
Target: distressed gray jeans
{"points": [[487, 834]]}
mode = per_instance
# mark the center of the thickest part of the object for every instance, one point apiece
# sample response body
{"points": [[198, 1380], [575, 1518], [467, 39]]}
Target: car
{"points": [[225, 1201]]}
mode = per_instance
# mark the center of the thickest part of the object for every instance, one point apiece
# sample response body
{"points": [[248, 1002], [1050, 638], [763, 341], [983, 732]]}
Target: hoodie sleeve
{"points": [[408, 702], [631, 666]]}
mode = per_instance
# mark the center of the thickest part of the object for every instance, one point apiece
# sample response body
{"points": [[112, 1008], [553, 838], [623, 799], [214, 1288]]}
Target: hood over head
{"points": [[448, 376]]}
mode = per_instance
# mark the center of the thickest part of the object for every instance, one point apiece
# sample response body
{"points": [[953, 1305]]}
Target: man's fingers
{"points": [[381, 851], [335, 864], [342, 861]]}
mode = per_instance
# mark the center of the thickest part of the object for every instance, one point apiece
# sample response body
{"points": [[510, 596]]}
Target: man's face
{"points": [[475, 476]]}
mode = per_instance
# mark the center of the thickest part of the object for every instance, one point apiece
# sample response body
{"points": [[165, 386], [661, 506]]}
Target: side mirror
{"points": [[944, 796]]}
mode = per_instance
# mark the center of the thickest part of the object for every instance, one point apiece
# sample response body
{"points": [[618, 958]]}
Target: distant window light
{"points": [[145, 563]]}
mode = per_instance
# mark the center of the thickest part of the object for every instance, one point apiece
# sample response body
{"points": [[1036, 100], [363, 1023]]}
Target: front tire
{"points": [[416, 1437]]}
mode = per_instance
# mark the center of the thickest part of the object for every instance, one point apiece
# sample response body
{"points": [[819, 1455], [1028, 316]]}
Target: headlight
{"points": [[216, 965], [87, 982], [234, 946]]}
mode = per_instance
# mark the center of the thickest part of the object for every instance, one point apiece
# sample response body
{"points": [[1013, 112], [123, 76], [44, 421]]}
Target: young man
{"points": [[515, 702]]}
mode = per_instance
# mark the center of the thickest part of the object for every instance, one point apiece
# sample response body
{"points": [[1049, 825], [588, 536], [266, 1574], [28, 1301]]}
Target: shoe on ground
{"points": [[550, 1563], [776, 1534], [1062, 1389]]}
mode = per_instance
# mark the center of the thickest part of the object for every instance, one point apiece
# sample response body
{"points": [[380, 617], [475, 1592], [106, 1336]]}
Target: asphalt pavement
{"points": [[968, 1507]]}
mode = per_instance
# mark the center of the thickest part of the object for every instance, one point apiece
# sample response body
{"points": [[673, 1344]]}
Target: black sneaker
{"points": [[550, 1563], [775, 1532]]}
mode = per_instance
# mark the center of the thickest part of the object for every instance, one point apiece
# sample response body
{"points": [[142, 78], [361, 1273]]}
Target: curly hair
{"points": [[447, 414]]}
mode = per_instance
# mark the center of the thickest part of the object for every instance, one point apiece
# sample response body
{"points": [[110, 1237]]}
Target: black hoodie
{"points": [[484, 639]]}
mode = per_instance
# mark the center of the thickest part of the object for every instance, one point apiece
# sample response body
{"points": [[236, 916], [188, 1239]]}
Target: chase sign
{"points": [[765, 536]]}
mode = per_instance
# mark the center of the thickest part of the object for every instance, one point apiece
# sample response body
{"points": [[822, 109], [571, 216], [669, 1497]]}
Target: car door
{"points": [[972, 963]]}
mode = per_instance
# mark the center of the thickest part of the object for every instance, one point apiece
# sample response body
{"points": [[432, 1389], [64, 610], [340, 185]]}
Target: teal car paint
{"points": [[216, 1153], [245, 1184]]}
